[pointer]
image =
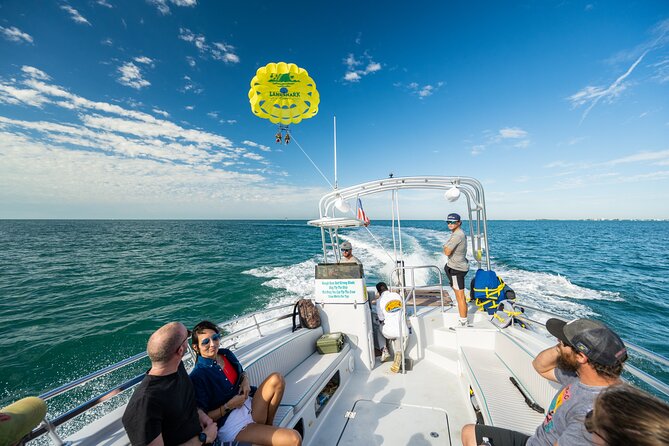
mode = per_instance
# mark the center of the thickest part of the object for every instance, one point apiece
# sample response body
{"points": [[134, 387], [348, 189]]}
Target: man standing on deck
{"points": [[457, 266], [163, 411], [588, 359], [347, 254]]}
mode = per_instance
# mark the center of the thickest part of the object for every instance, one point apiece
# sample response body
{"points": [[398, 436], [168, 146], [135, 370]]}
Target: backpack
{"points": [[488, 290], [309, 317], [506, 313]]}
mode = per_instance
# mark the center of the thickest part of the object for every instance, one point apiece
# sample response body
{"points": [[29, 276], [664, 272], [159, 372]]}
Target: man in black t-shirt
{"points": [[162, 411]]}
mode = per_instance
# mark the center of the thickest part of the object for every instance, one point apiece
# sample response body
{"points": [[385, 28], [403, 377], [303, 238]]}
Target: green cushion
{"points": [[19, 418]]}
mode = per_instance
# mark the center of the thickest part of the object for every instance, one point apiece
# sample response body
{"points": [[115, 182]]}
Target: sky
{"points": [[139, 109]]}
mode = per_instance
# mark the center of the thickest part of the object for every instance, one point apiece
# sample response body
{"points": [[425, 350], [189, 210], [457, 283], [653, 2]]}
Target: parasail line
{"points": [[312, 162]]}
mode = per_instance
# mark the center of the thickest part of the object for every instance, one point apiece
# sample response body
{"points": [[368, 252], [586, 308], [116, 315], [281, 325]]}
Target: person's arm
{"points": [[451, 244], [546, 362]]}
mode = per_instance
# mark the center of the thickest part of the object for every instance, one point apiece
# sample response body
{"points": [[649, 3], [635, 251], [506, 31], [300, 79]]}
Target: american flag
{"points": [[361, 214]]}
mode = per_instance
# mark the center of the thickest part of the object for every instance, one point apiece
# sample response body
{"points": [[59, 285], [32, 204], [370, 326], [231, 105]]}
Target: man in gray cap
{"points": [[457, 266], [588, 359], [347, 254]]}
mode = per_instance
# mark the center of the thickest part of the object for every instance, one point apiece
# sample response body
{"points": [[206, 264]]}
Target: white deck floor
{"points": [[424, 407]]}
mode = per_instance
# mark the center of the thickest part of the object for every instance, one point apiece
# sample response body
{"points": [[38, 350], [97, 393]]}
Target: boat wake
{"points": [[552, 292]]}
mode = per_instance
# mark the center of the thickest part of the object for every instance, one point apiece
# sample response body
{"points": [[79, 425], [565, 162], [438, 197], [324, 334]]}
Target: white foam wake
{"points": [[552, 292]]}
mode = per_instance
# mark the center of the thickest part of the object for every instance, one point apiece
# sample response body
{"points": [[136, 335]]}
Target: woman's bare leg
{"points": [[261, 434], [267, 399]]}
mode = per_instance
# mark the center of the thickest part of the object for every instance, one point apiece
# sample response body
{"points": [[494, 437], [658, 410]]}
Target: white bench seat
{"points": [[502, 404], [308, 377]]}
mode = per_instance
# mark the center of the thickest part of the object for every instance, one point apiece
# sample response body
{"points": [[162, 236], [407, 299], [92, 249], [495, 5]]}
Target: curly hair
{"points": [[608, 371]]}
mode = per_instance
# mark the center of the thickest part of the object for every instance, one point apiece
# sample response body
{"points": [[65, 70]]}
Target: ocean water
{"points": [[76, 296]]}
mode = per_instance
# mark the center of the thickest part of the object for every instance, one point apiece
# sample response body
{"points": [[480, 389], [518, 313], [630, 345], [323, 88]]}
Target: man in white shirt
{"points": [[393, 324]]}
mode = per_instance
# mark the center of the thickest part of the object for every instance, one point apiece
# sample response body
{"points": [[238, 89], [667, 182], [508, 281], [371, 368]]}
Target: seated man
{"points": [[393, 325], [18, 419], [588, 359], [162, 410]]}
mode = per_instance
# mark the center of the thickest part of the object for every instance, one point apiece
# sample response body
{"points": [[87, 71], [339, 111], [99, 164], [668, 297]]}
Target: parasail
{"points": [[283, 93]]}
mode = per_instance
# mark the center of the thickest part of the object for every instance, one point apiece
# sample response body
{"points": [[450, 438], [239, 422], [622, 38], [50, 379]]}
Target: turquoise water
{"points": [[76, 296]]}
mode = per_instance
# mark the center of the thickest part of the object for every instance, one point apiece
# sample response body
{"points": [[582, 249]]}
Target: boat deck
{"points": [[422, 407]]}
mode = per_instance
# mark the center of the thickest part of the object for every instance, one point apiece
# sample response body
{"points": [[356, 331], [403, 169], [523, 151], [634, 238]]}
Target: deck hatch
{"points": [[375, 423]]}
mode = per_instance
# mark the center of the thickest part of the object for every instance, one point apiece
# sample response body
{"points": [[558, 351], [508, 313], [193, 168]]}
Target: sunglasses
{"points": [[345, 250], [452, 222], [188, 334], [215, 338]]}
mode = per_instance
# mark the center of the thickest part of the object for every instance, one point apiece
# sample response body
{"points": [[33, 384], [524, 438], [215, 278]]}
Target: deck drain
{"points": [[434, 434]]}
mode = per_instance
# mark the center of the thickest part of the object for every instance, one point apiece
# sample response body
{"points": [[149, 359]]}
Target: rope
{"points": [[312, 162]]}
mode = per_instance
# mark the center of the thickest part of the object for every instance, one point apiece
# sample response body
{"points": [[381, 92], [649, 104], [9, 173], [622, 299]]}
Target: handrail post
{"points": [[255, 320], [51, 432]]}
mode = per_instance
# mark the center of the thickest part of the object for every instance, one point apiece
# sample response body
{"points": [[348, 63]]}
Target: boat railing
{"points": [[250, 322], [409, 292], [638, 373]]}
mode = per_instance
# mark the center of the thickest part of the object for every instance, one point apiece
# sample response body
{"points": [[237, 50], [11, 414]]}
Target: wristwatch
{"points": [[203, 438]]}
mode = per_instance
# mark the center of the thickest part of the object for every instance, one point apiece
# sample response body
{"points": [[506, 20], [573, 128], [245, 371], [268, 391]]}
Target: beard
{"points": [[567, 362]]}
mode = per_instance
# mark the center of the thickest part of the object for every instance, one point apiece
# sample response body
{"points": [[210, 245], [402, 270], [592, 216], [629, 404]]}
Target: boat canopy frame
{"points": [[471, 188]]}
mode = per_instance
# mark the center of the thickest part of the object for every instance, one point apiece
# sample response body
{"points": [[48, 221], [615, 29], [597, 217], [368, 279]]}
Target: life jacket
{"points": [[488, 290]]}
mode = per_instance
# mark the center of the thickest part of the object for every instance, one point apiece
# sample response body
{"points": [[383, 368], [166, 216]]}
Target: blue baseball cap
{"points": [[453, 217]]}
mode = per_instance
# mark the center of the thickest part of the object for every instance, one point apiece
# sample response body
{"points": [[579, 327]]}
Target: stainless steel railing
{"points": [[48, 426], [399, 272], [640, 374]]}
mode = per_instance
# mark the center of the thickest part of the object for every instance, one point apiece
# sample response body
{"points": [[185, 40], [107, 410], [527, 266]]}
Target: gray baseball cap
{"points": [[592, 338], [346, 245]]}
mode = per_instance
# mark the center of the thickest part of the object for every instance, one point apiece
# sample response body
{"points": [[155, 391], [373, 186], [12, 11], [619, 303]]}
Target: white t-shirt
{"points": [[389, 310]]}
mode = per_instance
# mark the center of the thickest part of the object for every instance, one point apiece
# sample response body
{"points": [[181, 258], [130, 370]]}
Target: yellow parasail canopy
{"points": [[283, 93]]}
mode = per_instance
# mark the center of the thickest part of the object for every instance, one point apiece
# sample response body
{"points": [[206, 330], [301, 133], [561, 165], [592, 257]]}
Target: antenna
{"points": [[335, 151]]}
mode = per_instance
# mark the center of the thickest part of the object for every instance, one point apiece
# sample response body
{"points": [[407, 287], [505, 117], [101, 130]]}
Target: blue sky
{"points": [[139, 109]]}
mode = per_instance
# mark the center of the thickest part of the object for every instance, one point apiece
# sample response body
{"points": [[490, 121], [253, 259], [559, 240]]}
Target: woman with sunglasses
{"points": [[242, 412], [623, 415]]}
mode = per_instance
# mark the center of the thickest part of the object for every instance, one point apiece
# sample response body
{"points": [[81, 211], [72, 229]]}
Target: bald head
{"points": [[165, 342]]}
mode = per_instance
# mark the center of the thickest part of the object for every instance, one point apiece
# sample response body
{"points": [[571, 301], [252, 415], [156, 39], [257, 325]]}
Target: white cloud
{"points": [[131, 76], [164, 9], [161, 112], [15, 35], [502, 137], [592, 95], [107, 42], [352, 76], [353, 73], [257, 146], [104, 3], [253, 156], [144, 60], [478, 149], [125, 162], [75, 15], [512, 132], [422, 91], [35, 73], [190, 107], [660, 156], [191, 61], [217, 51]]}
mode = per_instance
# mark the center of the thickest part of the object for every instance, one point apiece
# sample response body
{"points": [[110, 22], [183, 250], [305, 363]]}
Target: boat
{"points": [[448, 377]]}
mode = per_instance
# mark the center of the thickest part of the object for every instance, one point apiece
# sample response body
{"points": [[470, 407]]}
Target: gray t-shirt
{"points": [[564, 420], [458, 258]]}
